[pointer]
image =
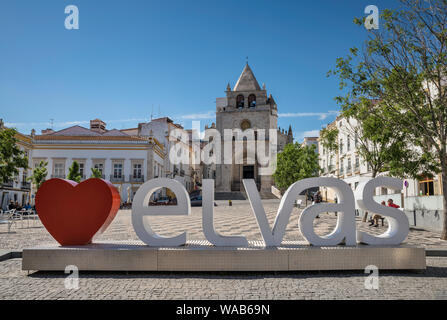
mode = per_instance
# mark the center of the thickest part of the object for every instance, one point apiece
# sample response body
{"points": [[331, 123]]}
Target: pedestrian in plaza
{"points": [[11, 205], [376, 217], [317, 199], [392, 204]]}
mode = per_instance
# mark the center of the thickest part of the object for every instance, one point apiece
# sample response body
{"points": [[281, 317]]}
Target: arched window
{"points": [[240, 101], [252, 101]]}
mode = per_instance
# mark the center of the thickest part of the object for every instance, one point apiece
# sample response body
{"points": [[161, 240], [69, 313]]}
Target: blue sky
{"points": [[170, 58]]}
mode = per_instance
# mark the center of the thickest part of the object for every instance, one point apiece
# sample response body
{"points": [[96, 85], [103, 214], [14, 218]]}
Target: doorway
{"points": [[248, 172]]}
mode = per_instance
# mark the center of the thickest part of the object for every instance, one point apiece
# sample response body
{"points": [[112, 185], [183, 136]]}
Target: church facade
{"points": [[247, 106]]}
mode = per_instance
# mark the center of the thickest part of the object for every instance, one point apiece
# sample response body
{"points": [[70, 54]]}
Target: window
{"points": [[100, 167], [137, 170], [426, 187], [240, 101], [356, 140], [252, 101], [341, 145], [357, 162], [349, 166], [348, 143], [81, 169], [59, 170], [117, 170], [356, 185]]}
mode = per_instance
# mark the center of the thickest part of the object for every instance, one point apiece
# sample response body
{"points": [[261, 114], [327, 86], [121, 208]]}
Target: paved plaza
{"points": [[235, 220]]}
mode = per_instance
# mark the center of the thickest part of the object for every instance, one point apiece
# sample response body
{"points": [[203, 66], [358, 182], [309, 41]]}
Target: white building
{"points": [[347, 164], [126, 161], [162, 130], [19, 188]]}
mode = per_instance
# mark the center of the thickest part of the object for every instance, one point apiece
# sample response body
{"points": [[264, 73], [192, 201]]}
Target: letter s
{"points": [[398, 225]]}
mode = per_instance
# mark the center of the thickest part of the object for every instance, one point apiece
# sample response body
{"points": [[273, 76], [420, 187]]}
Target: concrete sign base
{"points": [[202, 256]]}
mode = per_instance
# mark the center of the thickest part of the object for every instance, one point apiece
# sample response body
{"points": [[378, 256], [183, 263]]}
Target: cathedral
{"points": [[246, 106]]}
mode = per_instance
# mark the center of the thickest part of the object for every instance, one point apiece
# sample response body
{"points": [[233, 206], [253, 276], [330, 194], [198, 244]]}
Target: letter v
{"points": [[271, 238]]}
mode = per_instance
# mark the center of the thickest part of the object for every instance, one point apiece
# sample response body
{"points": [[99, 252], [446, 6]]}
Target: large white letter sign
{"points": [[398, 225], [208, 221], [141, 208], [345, 229]]}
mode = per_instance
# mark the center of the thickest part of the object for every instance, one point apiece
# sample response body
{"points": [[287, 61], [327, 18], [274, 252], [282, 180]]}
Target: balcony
{"points": [[136, 178], [8, 184], [26, 185], [116, 178]]}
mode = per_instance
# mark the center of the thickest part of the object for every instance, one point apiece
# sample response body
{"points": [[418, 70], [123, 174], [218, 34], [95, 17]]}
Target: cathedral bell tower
{"points": [[246, 106]]}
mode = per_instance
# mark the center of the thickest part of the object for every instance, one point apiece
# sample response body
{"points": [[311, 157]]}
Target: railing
{"points": [[8, 184], [114, 178], [26, 185], [134, 178]]}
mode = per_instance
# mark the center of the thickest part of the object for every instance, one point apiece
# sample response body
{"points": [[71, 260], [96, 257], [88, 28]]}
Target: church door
{"points": [[249, 172]]}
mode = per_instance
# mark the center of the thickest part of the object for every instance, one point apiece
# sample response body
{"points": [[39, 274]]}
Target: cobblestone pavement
{"points": [[235, 220], [432, 284]]}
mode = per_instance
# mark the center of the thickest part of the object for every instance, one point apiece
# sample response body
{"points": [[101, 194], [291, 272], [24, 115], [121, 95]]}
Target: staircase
{"points": [[233, 195]]}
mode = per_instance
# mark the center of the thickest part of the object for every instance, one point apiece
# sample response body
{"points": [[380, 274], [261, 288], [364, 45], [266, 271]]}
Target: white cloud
{"points": [[310, 133], [198, 116], [320, 115]]}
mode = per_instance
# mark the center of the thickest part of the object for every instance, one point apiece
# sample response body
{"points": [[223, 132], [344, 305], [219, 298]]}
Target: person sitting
{"points": [[392, 204], [376, 217], [11, 205], [18, 206]]}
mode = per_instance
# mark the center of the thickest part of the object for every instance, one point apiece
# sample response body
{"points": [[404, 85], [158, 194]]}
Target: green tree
{"points": [[39, 174], [403, 66], [74, 173], [96, 173], [328, 138], [11, 157], [295, 163]]}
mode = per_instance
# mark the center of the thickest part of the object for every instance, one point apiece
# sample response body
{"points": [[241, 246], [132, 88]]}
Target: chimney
{"points": [[98, 126], [47, 131]]}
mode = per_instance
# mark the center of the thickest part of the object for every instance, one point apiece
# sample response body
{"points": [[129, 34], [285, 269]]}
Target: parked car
{"points": [[196, 201], [163, 201]]}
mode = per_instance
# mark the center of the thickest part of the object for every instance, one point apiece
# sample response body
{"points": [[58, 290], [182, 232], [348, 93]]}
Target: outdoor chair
{"points": [[7, 217]]}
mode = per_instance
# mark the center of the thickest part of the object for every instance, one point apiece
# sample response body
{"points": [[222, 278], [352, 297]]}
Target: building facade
{"points": [[346, 163], [246, 106], [126, 161], [18, 189]]}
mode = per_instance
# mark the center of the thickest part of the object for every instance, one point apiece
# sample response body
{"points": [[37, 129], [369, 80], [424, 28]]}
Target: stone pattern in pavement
{"points": [[235, 220], [432, 284]]}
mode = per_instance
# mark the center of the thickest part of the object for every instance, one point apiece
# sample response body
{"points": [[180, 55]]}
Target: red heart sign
{"points": [[74, 213]]}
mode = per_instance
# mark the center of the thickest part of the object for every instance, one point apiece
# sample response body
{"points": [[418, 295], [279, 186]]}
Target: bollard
{"points": [[230, 203]]}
